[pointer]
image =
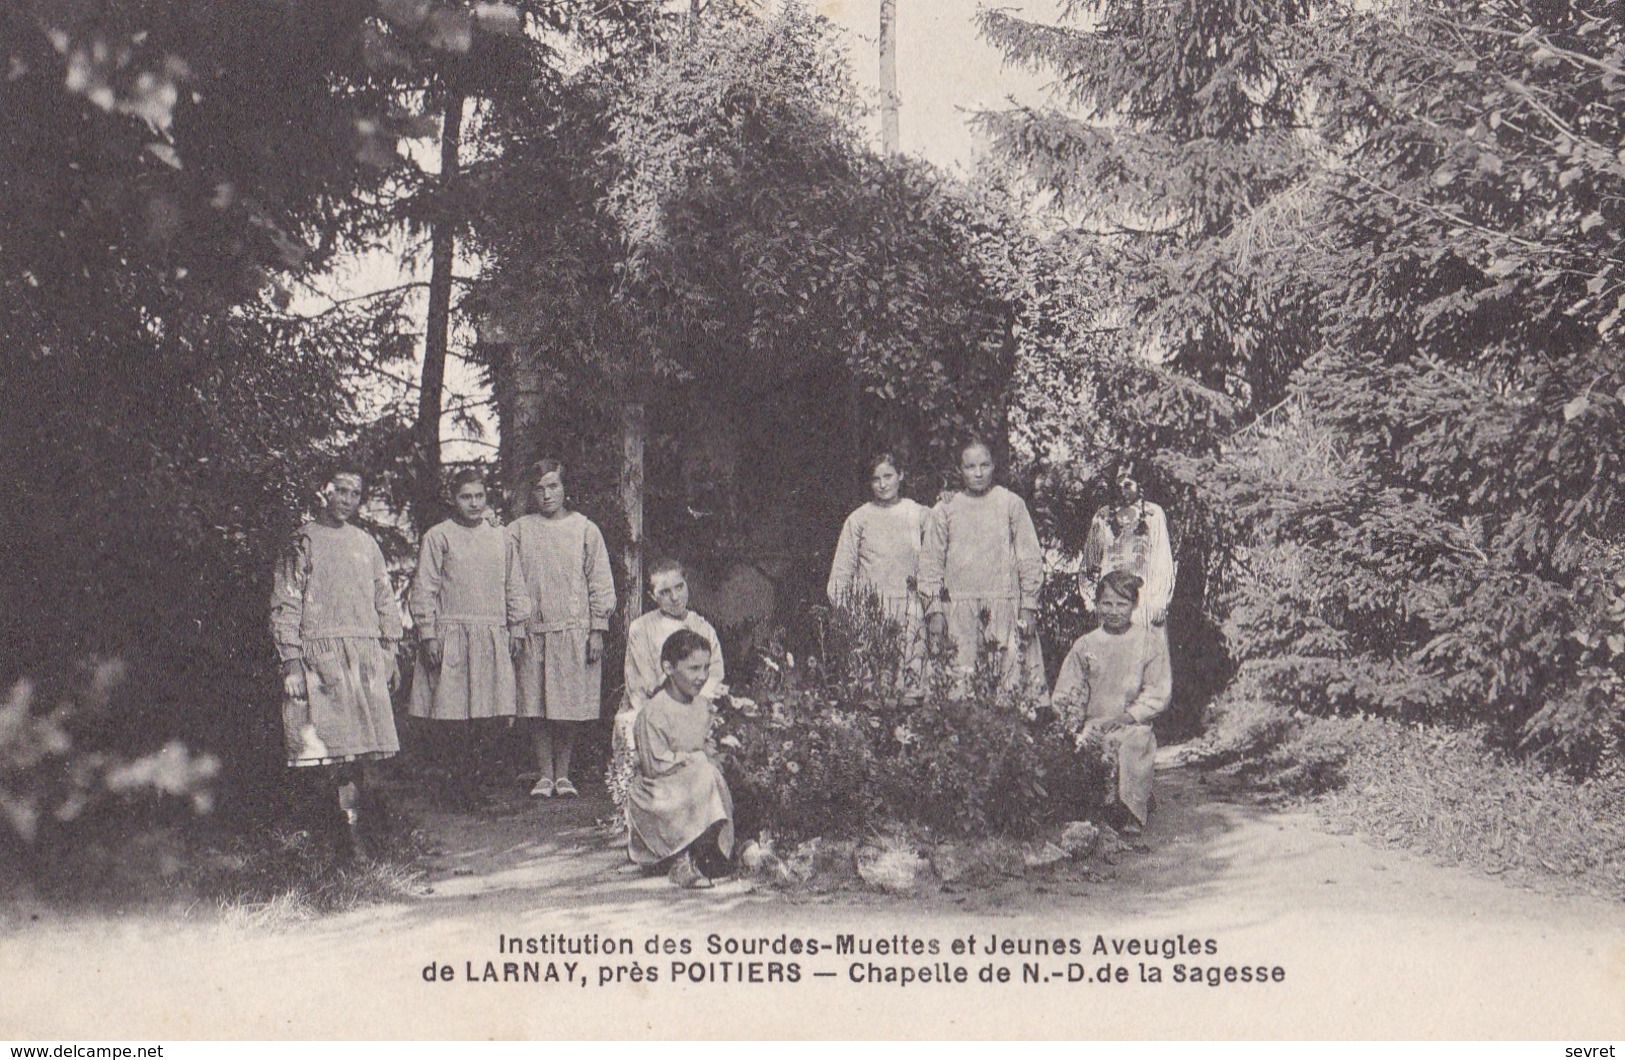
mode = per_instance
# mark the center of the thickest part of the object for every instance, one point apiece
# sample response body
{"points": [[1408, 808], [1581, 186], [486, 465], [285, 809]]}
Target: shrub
{"points": [[981, 766], [1355, 592], [47, 781], [830, 748]]}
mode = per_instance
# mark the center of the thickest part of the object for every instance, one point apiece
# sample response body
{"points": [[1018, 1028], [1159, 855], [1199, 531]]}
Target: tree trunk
{"points": [[633, 432], [889, 100], [518, 384], [428, 506]]}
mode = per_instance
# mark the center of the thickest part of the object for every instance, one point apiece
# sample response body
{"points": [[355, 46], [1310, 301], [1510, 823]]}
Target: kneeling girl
{"points": [[678, 808], [1114, 681]]}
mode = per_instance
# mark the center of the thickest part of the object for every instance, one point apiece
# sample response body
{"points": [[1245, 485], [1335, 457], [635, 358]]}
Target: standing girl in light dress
{"points": [[561, 595], [459, 602], [878, 553], [981, 570], [336, 623]]}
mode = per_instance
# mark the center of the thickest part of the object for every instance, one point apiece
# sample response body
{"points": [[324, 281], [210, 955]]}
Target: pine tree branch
{"points": [[1552, 119], [336, 304], [1446, 215], [1534, 36]]}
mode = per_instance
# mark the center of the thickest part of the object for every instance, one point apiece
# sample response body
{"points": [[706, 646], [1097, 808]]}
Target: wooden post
{"points": [[889, 100], [633, 427]]}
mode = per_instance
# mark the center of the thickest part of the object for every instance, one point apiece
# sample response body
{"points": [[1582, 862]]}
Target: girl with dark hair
{"points": [[336, 622], [879, 547], [645, 637], [1131, 534], [879, 553], [679, 810], [561, 595], [459, 603], [1114, 681], [981, 570]]}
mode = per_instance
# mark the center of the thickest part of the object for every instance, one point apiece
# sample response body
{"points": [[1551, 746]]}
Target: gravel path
{"points": [[1371, 942]]}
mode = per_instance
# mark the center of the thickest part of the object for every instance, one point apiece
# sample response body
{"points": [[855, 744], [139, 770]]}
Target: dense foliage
{"points": [[700, 228], [174, 174], [1405, 219], [1348, 275]]}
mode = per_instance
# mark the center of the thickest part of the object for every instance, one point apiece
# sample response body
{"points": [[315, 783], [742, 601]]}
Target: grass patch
{"points": [[1446, 794], [293, 876], [288, 875], [1440, 792], [267, 878]]}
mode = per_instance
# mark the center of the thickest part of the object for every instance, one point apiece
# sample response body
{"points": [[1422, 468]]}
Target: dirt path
{"points": [[1373, 943]]}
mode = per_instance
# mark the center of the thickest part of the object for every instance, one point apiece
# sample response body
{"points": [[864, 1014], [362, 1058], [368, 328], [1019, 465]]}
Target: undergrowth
{"points": [[286, 874], [290, 876], [1446, 793]]}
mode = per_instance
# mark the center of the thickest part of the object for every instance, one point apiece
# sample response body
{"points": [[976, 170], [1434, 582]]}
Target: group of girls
{"points": [[510, 622], [962, 581]]}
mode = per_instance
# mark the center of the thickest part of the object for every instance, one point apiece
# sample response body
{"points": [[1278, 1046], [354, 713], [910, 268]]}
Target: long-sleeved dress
{"points": [[1106, 674], [678, 793], [333, 610], [879, 552], [644, 639], [981, 566], [459, 598], [560, 590], [1115, 542]]}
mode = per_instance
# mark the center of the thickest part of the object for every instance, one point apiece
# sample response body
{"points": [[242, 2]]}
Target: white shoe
{"points": [[543, 789]]}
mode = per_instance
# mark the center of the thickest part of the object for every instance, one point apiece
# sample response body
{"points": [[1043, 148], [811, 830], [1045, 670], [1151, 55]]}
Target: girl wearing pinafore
{"points": [[878, 553], [561, 595], [879, 547], [645, 637], [336, 622], [459, 604], [981, 571], [679, 810], [1114, 681]]}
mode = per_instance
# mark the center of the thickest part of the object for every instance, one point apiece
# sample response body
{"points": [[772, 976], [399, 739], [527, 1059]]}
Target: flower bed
{"points": [[833, 748]]}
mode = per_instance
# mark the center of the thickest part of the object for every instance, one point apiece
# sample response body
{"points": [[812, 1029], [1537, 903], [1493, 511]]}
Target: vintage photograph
{"points": [[812, 519]]}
